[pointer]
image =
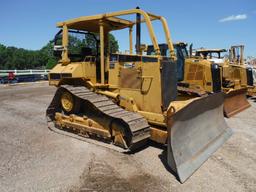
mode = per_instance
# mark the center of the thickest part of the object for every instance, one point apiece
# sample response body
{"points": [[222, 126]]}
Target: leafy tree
{"points": [[48, 56], [75, 43], [18, 58], [113, 43], [51, 63]]}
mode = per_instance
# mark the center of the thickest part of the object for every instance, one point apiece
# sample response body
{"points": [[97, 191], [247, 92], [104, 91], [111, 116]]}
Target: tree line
{"points": [[19, 58]]}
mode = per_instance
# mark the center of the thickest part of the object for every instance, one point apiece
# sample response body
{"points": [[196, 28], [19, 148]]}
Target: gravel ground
{"points": [[33, 158]]}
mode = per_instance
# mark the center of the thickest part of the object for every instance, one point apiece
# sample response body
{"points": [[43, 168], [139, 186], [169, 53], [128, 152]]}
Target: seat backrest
{"points": [[86, 51]]}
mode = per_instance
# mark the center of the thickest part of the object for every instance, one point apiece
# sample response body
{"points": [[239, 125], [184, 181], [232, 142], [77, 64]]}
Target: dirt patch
{"points": [[100, 176]]}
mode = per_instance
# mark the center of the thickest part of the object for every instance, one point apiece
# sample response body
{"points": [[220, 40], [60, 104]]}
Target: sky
{"points": [[31, 24]]}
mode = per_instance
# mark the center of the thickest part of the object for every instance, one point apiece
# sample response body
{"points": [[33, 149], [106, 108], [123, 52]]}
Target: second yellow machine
{"points": [[128, 98], [208, 72]]}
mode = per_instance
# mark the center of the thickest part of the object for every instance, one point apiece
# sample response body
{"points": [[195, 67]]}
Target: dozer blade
{"points": [[194, 133], [235, 102]]}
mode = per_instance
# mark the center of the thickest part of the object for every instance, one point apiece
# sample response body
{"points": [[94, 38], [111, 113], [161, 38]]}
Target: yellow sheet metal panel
{"points": [[151, 100], [197, 72], [76, 70]]}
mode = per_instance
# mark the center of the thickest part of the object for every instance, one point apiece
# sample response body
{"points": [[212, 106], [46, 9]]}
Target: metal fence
{"points": [[29, 75], [24, 72]]}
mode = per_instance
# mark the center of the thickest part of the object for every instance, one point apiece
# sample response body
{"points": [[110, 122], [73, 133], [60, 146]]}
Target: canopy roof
{"points": [[91, 23], [110, 21]]}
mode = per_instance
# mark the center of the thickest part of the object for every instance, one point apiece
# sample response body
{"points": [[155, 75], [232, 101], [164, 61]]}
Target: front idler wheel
{"points": [[69, 103]]}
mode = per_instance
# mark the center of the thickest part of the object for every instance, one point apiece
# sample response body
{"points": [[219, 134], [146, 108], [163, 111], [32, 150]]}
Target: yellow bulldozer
{"points": [[239, 70], [237, 79], [205, 73], [125, 99], [196, 76]]}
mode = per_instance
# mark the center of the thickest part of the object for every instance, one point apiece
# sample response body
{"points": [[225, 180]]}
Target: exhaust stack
{"points": [[138, 32], [190, 49]]}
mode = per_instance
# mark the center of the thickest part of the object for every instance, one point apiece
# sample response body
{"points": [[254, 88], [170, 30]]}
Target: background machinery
{"points": [[239, 71], [235, 78], [194, 75], [126, 99], [207, 72]]}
